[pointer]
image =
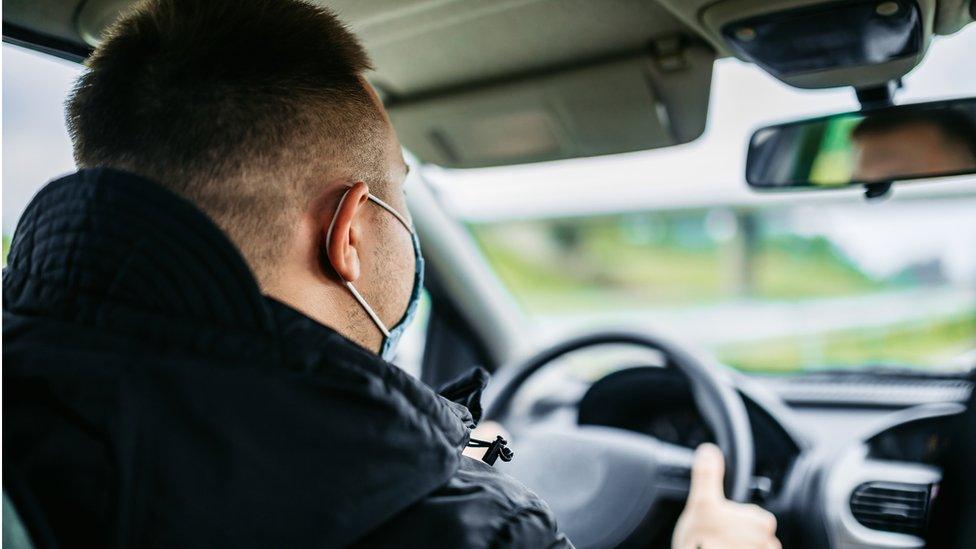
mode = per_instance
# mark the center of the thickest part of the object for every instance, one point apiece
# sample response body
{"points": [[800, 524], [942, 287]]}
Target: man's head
{"points": [[257, 111], [914, 144]]}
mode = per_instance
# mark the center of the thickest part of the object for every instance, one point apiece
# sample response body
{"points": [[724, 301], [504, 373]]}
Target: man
{"points": [[904, 145], [195, 322]]}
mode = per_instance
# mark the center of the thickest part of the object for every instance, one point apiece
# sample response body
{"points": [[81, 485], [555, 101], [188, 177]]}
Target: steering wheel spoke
{"points": [[673, 471], [581, 471]]}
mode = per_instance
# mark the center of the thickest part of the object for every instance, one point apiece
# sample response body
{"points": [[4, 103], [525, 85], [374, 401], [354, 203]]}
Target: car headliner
{"points": [[471, 83], [489, 41], [426, 51]]}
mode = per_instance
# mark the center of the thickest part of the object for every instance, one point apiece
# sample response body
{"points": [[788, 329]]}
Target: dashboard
{"points": [[837, 474], [880, 491], [923, 440]]}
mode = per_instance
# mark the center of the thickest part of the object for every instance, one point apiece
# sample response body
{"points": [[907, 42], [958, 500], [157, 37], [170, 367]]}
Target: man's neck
{"points": [[330, 305]]}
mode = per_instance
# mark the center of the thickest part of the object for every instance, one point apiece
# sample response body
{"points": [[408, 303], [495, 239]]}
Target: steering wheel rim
{"points": [[719, 403]]}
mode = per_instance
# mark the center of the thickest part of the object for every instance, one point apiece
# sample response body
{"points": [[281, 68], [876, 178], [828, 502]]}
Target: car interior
{"points": [[845, 458]]}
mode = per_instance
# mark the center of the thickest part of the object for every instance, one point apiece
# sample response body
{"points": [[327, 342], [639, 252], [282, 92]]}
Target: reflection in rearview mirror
{"points": [[918, 141]]}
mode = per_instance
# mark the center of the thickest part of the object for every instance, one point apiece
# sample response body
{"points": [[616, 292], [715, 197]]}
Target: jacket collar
{"points": [[101, 240], [312, 347]]}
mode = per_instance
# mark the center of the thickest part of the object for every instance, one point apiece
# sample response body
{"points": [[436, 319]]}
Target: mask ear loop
{"points": [[352, 289], [390, 209]]}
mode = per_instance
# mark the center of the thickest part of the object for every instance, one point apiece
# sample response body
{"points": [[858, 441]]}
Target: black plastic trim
{"points": [[452, 347], [44, 43]]}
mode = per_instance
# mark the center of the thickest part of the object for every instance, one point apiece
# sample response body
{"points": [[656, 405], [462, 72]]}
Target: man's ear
{"points": [[342, 249]]}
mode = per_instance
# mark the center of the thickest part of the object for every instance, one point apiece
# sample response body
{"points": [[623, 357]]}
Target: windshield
{"points": [[673, 240]]}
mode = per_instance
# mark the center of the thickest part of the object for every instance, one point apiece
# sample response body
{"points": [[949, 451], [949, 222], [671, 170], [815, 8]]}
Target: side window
{"points": [[36, 147]]}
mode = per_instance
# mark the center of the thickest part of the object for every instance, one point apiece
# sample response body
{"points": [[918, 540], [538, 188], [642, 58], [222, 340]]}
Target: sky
{"points": [[36, 148]]}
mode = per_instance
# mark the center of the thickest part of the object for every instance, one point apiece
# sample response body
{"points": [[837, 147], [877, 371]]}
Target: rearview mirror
{"points": [[875, 147]]}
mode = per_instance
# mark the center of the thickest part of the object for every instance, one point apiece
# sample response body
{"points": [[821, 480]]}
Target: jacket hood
{"points": [[206, 393]]}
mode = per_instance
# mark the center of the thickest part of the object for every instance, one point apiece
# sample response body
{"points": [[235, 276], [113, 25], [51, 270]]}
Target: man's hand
{"points": [[710, 521]]}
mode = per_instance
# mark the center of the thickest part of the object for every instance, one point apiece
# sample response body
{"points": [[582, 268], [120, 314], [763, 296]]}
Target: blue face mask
{"points": [[388, 351], [391, 336]]}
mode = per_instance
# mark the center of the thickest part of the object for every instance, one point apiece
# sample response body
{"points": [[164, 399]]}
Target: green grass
{"points": [[600, 264], [6, 248], [601, 278], [807, 268], [600, 269], [909, 344]]}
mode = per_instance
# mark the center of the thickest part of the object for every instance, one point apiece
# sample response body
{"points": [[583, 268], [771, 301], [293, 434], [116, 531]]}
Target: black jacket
{"points": [[154, 398]]}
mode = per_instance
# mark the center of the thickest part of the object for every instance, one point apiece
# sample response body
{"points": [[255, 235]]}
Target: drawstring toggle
{"points": [[496, 449]]}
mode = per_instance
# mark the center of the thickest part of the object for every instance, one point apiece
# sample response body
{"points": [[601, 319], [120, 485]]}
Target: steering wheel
{"points": [[603, 483]]}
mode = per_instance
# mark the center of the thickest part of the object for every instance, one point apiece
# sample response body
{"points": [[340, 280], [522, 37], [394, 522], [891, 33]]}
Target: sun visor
{"points": [[632, 104]]}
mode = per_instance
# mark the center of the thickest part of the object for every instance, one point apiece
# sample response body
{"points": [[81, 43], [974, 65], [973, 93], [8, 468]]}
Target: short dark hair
{"points": [[954, 124], [238, 105]]}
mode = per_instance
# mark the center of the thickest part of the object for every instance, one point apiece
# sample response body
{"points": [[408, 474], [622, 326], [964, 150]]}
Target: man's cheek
{"points": [[407, 272]]}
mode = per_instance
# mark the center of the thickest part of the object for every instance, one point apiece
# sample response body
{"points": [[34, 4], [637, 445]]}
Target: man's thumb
{"points": [[707, 474]]}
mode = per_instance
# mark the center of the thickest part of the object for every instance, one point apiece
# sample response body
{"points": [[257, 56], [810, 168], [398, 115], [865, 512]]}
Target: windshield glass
{"points": [[673, 240]]}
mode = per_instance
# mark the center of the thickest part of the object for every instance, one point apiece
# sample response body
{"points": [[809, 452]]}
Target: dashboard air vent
{"points": [[892, 506]]}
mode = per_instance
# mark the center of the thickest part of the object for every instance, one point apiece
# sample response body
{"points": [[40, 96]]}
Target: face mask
{"points": [[391, 336]]}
